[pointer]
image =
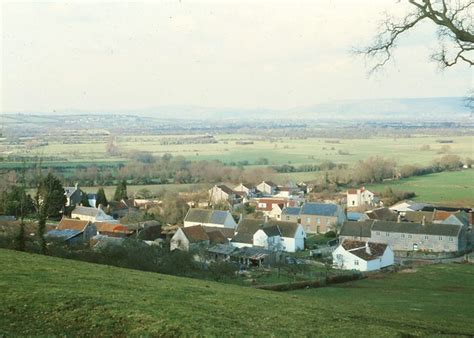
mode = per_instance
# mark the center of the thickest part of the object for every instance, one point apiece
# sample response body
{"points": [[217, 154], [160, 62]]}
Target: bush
{"points": [[330, 234], [222, 269]]}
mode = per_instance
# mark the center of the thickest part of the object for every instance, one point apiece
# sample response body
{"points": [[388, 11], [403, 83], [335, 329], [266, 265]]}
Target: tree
{"points": [[101, 198], [455, 29], [49, 202], [121, 191], [84, 199], [16, 202]]}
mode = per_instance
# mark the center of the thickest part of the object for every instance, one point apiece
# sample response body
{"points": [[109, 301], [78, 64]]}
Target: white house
{"points": [[267, 188], [245, 188], [209, 218], [362, 256], [222, 193], [271, 235], [360, 197], [190, 238], [91, 214], [73, 195]]}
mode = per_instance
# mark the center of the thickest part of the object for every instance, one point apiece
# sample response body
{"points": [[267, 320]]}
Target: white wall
{"points": [[179, 241]]}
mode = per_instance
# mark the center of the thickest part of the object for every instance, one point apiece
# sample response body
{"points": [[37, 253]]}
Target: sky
{"points": [[91, 56]]}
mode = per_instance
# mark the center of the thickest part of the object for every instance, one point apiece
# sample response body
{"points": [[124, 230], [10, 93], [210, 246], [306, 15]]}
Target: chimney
{"points": [[367, 248], [241, 216], [266, 218], [423, 221], [399, 218], [76, 185]]}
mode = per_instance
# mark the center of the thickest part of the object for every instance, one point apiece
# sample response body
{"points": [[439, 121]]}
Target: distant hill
{"points": [[432, 109], [438, 108], [47, 296]]}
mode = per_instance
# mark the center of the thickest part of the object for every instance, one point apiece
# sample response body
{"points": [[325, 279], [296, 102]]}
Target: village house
{"points": [[404, 206], [270, 234], [267, 205], [73, 231], [356, 216], [114, 230], [73, 195], [122, 208], [408, 236], [291, 214], [361, 197], [321, 217], [91, 214], [360, 231], [196, 237], [362, 256], [189, 239], [222, 194], [267, 188], [209, 218], [246, 188]]}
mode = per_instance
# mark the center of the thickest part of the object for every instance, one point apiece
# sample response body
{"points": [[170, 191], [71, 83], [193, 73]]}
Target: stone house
{"points": [[361, 197], [321, 217]]}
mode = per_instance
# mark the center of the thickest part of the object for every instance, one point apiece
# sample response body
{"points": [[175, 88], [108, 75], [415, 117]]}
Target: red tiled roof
{"points": [[72, 224], [440, 215], [352, 191]]}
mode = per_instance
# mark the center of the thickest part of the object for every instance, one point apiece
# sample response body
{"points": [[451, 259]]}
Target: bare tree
{"points": [[454, 20]]}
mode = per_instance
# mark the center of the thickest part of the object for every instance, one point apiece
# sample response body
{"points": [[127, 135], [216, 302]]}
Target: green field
{"points": [[51, 296], [456, 188], [278, 151]]}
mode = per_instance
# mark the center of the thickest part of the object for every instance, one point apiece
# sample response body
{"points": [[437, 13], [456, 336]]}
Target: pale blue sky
{"points": [[274, 54]]}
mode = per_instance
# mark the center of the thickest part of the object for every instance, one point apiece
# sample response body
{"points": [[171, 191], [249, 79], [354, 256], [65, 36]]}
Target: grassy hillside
{"points": [[455, 188], [52, 296]]}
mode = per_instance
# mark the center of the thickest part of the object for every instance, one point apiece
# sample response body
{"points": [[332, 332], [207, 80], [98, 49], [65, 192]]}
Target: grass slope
{"points": [[455, 187], [51, 296]]}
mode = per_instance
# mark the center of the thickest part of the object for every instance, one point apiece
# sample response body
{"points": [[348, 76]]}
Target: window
{"points": [[440, 238], [409, 235], [353, 202], [451, 239], [426, 237], [403, 235], [356, 262], [308, 220], [378, 233], [387, 234], [287, 218], [339, 257], [318, 220]]}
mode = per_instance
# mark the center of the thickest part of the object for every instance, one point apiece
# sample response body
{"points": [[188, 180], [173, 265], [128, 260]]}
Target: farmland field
{"points": [[281, 150], [456, 188], [51, 296]]}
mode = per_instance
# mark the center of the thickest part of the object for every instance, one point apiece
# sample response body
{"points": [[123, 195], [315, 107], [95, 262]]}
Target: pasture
{"points": [[280, 150], [454, 188], [51, 296]]}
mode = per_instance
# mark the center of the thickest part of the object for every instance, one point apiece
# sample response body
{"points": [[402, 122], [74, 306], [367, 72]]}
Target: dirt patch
{"points": [[408, 270]]}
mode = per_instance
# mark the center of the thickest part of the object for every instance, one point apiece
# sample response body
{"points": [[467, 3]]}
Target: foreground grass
{"points": [[51, 296], [455, 188]]}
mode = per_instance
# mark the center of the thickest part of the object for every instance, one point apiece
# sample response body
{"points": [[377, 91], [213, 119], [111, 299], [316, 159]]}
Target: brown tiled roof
{"points": [[72, 224], [226, 189], [417, 216], [216, 237], [440, 215], [195, 233], [352, 191], [359, 249], [112, 227], [227, 232], [383, 214]]}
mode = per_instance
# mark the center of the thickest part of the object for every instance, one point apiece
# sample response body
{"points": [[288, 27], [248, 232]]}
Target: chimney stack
{"points": [[266, 218], [399, 218], [423, 221], [367, 248]]}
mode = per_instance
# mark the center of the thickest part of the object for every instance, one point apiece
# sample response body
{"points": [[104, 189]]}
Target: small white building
{"points": [[362, 256], [267, 188], [361, 197], [190, 238], [209, 218], [245, 188]]}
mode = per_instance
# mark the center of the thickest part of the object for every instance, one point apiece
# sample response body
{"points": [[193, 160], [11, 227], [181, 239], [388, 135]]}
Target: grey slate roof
{"points": [[294, 211], [322, 209], [63, 234], [223, 249], [417, 228], [206, 216], [383, 214], [272, 230], [360, 229]]}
